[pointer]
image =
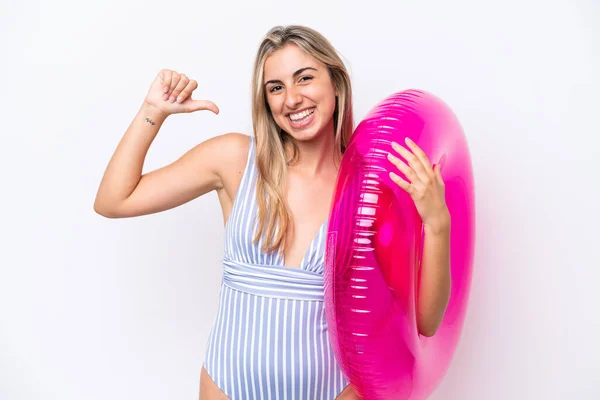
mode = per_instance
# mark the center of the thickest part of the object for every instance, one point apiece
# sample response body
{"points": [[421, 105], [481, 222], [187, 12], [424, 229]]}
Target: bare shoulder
{"points": [[232, 152], [228, 154], [229, 145], [233, 146]]}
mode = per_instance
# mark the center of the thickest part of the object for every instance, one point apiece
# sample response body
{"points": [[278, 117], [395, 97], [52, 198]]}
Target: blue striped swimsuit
{"points": [[269, 339]]}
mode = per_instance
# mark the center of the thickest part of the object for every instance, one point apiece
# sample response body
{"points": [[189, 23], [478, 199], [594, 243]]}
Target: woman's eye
{"points": [[274, 88], [305, 78]]}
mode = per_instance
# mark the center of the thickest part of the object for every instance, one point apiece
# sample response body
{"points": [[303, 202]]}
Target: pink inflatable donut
{"points": [[374, 247]]}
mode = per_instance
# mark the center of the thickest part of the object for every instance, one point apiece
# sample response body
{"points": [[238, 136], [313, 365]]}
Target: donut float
{"points": [[374, 243]]}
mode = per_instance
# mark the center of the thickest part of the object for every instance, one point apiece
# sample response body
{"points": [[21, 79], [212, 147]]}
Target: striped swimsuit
{"points": [[269, 339]]}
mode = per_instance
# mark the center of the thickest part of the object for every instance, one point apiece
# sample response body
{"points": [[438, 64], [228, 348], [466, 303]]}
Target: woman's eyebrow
{"points": [[300, 71]]}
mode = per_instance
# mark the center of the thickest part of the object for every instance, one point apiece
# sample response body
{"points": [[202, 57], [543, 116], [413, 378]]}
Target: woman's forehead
{"points": [[283, 63]]}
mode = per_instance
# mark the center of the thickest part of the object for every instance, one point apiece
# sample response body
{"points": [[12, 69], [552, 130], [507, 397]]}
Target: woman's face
{"points": [[299, 92]]}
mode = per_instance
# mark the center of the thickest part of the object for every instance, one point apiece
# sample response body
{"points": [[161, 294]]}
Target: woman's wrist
{"points": [[439, 225], [153, 113]]}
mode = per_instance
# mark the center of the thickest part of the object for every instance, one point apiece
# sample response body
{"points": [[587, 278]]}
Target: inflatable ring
{"points": [[374, 246]]}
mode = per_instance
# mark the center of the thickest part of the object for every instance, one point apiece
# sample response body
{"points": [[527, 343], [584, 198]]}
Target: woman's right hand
{"points": [[171, 93]]}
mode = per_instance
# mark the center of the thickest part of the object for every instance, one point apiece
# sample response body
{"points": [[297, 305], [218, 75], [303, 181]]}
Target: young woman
{"points": [[269, 339]]}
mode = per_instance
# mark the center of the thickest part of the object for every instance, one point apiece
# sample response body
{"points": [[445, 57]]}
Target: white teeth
{"points": [[301, 115]]}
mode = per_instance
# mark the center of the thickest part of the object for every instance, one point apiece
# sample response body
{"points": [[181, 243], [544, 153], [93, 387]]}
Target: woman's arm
{"points": [[125, 192], [426, 187], [434, 288]]}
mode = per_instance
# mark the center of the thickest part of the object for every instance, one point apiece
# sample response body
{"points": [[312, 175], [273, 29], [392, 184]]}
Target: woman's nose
{"points": [[293, 98]]}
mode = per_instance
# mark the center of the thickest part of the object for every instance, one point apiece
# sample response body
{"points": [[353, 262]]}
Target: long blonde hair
{"points": [[273, 145]]}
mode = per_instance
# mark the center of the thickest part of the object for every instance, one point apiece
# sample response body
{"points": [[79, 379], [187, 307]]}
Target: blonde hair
{"points": [[273, 145]]}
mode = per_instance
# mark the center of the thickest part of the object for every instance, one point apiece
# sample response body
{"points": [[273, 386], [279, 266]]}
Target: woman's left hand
{"points": [[426, 186]]}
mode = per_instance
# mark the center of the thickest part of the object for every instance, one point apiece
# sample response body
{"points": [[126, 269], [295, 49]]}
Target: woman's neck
{"points": [[317, 156]]}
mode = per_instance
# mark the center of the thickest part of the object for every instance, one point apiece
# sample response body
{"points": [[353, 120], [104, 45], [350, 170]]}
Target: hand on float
{"points": [[426, 186]]}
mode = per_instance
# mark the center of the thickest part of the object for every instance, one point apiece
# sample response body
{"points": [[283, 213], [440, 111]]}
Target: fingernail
{"points": [[179, 99], [172, 99], [395, 145], [166, 89], [165, 97], [442, 161], [408, 140]]}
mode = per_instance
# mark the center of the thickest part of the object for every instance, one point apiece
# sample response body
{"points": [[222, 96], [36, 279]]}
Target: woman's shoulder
{"points": [[231, 151], [234, 141], [229, 148], [237, 143]]}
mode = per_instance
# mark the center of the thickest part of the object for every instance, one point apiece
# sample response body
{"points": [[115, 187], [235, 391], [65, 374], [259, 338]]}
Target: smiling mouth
{"points": [[301, 117]]}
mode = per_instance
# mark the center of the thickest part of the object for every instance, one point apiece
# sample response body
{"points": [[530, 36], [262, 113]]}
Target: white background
{"points": [[92, 308]]}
